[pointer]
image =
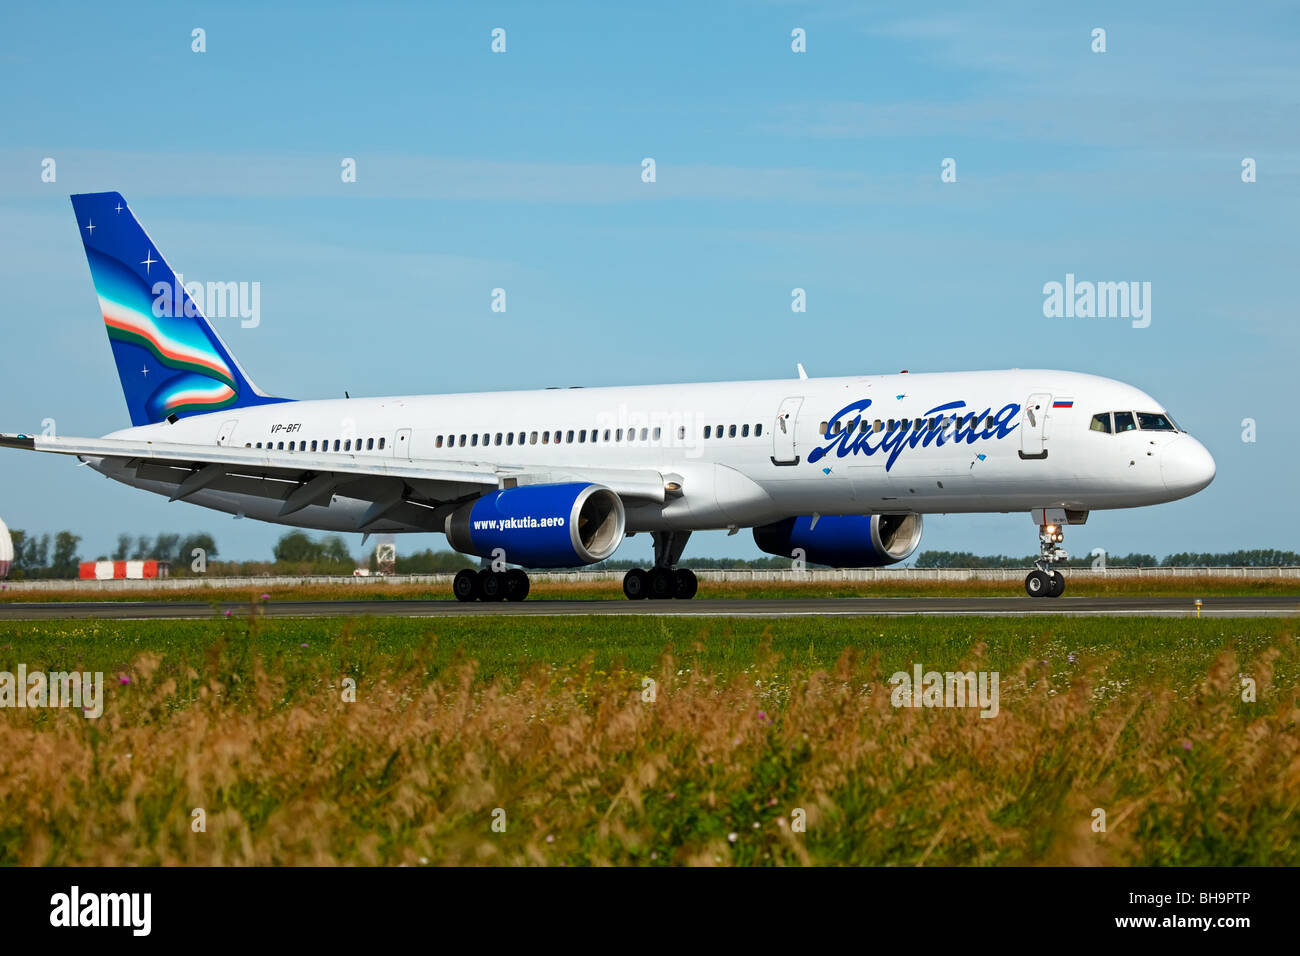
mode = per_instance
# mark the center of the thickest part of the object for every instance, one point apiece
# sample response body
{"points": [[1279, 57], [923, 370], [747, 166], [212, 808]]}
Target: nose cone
{"points": [[1186, 466]]}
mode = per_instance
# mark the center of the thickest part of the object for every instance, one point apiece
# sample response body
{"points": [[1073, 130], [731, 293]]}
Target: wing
{"points": [[415, 492]]}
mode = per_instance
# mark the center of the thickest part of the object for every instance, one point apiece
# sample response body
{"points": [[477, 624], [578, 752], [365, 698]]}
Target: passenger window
{"points": [[988, 422], [758, 431], [708, 431], [1154, 422], [744, 431], [569, 437], [532, 439], [546, 438], [889, 425], [280, 447], [1101, 423], [370, 444], [497, 439], [582, 436], [381, 444], [717, 432], [347, 445], [438, 443], [510, 438], [731, 432], [681, 432], [473, 440], [606, 438], [1124, 422], [657, 433], [825, 429]]}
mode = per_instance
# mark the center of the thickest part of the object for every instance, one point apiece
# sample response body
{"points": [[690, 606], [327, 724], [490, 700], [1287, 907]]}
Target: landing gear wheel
{"points": [[516, 585], [465, 585], [1058, 585], [1038, 584], [687, 584], [663, 583], [636, 584], [491, 585]]}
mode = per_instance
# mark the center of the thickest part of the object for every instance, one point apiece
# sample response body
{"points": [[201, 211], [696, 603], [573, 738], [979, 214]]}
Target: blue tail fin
{"points": [[169, 357]]}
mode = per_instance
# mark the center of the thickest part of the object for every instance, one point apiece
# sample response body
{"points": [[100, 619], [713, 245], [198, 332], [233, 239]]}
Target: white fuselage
{"points": [[1026, 451]]}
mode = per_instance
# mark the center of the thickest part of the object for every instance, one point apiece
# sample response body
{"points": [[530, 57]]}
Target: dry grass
{"points": [[587, 772]]}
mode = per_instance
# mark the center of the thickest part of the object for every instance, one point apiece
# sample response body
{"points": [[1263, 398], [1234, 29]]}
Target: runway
{"points": [[1218, 607]]}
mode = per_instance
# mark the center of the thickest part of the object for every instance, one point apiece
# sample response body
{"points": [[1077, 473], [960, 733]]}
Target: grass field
{"points": [[1079, 585], [756, 729]]}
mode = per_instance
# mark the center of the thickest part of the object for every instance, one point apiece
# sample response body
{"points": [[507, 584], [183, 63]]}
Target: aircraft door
{"points": [[227, 429], [402, 446], [784, 450], [1033, 425]]}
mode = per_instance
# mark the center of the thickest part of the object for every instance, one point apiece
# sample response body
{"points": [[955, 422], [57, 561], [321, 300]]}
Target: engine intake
{"points": [[844, 541], [541, 526]]}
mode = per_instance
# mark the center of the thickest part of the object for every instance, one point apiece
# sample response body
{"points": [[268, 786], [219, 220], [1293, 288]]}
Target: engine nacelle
{"points": [[541, 526], [844, 541]]}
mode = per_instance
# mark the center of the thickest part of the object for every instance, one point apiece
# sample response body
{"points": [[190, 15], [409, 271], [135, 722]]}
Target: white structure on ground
{"points": [[6, 551]]}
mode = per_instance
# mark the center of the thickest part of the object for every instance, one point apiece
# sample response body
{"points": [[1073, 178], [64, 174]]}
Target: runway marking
{"points": [[1224, 607]]}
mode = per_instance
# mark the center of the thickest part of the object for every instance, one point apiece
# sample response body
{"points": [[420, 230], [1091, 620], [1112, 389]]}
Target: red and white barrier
{"points": [[134, 570]]}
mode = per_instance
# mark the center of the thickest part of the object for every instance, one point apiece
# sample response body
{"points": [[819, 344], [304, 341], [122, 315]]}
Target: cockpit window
{"points": [[1101, 423], [1155, 422], [1124, 422]]}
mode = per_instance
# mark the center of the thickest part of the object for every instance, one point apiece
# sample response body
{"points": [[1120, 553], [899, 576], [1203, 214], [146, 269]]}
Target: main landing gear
{"points": [[1043, 581], [663, 581], [489, 585]]}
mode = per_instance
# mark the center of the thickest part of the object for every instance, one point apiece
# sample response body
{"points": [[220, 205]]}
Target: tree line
{"points": [[1251, 558]]}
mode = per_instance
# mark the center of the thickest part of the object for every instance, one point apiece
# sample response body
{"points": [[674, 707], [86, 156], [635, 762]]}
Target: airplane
{"points": [[831, 471]]}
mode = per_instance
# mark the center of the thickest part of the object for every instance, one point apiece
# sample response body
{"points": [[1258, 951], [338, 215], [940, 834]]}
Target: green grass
{"points": [[1177, 650]]}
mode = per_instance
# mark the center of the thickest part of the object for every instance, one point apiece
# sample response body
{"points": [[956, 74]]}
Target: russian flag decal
{"points": [[1063, 403]]}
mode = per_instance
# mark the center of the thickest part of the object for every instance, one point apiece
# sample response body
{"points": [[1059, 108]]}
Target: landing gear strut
{"points": [[663, 581], [1043, 581], [489, 585]]}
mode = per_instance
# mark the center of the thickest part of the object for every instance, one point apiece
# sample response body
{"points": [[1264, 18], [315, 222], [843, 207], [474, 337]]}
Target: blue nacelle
{"points": [[541, 526], [843, 541]]}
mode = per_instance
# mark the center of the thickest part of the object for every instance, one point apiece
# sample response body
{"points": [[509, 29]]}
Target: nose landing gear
{"points": [[1043, 581]]}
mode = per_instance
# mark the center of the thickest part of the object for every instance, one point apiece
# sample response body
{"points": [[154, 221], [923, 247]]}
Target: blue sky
{"points": [[775, 170]]}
